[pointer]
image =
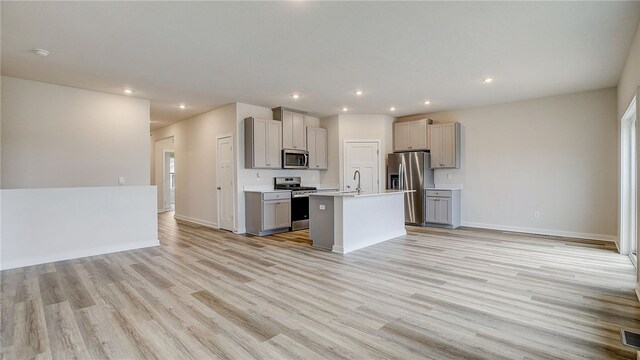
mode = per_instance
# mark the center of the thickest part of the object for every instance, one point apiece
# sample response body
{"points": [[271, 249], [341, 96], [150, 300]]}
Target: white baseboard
{"points": [[637, 293], [12, 264], [196, 221], [240, 231], [338, 249], [537, 231]]}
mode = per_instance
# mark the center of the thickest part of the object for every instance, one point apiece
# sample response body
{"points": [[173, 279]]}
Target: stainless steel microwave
{"points": [[295, 159]]}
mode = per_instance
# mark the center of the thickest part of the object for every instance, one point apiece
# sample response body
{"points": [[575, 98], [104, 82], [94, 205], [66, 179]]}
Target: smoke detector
{"points": [[41, 52]]}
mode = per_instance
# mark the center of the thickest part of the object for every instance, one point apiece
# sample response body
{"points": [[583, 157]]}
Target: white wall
{"points": [[46, 225], [628, 87], [195, 161], [355, 127], [630, 78], [555, 155], [61, 148], [57, 136], [157, 176]]}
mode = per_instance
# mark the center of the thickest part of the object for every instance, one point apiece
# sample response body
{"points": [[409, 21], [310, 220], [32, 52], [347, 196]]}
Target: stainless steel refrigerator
{"points": [[411, 171]]}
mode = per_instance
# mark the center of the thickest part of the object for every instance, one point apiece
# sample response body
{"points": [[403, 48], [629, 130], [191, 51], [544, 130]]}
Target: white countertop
{"points": [[269, 188], [445, 186], [355, 193], [262, 189]]}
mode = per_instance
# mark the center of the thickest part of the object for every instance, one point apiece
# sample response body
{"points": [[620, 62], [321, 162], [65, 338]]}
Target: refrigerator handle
{"points": [[400, 177]]}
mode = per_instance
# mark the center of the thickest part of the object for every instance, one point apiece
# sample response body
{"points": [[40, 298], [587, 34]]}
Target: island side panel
{"points": [[370, 220], [338, 224], [321, 224]]}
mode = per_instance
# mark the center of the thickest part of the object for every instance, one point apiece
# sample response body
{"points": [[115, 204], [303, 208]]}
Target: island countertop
{"points": [[355, 193]]}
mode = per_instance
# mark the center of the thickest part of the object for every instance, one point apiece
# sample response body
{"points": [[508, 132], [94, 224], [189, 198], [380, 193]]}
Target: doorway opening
{"points": [[629, 183], [165, 174], [169, 181]]}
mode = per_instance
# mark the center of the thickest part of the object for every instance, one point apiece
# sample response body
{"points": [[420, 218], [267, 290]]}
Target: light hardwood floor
{"points": [[440, 294]]}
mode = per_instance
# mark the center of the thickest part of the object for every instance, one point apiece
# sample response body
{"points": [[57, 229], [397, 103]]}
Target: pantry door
{"points": [[362, 156]]}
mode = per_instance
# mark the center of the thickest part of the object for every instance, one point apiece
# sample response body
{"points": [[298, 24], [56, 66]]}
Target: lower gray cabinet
{"points": [[267, 212], [442, 208], [276, 214]]}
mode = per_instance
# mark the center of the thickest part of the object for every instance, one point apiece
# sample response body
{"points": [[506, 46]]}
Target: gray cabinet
{"points": [[293, 128], [442, 208], [445, 145], [267, 212], [263, 143], [317, 146], [411, 135], [276, 214]]}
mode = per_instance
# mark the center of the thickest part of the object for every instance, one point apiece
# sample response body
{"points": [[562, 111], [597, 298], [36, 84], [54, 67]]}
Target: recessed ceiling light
{"points": [[345, 108], [427, 102], [392, 108], [41, 52], [295, 96], [359, 92], [488, 80], [182, 106], [128, 91]]}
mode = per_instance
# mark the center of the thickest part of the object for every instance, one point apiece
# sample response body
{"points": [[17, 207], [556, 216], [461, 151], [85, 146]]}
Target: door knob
{"points": [[219, 188]]}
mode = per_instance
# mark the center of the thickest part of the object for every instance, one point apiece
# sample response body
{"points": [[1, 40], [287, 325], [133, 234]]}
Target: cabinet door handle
{"points": [[219, 188]]}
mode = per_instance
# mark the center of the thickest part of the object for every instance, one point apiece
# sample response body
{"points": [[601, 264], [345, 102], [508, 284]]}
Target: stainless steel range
{"points": [[299, 200]]}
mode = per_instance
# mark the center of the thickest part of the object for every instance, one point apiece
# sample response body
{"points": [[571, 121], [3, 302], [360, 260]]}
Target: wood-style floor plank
{"points": [[432, 294]]}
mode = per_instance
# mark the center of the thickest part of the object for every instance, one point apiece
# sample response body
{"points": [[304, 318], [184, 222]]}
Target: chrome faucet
{"points": [[357, 172]]}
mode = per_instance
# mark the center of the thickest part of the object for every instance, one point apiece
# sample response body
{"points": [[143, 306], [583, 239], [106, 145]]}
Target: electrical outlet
{"points": [[449, 176], [536, 214], [322, 207], [121, 180]]}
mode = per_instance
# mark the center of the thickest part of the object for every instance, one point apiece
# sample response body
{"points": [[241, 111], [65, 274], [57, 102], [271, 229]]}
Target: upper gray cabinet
{"points": [[262, 143], [293, 128], [411, 135], [445, 146], [317, 145]]}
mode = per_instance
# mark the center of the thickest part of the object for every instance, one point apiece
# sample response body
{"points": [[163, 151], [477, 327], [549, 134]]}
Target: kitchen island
{"points": [[346, 221]]}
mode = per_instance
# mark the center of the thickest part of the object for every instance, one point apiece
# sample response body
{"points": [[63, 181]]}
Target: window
{"points": [[172, 173]]}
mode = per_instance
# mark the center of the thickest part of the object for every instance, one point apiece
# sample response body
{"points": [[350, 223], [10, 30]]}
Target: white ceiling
{"points": [[209, 54]]}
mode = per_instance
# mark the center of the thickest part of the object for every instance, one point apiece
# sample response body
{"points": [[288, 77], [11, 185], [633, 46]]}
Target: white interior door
{"points": [[363, 157], [224, 169]]}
